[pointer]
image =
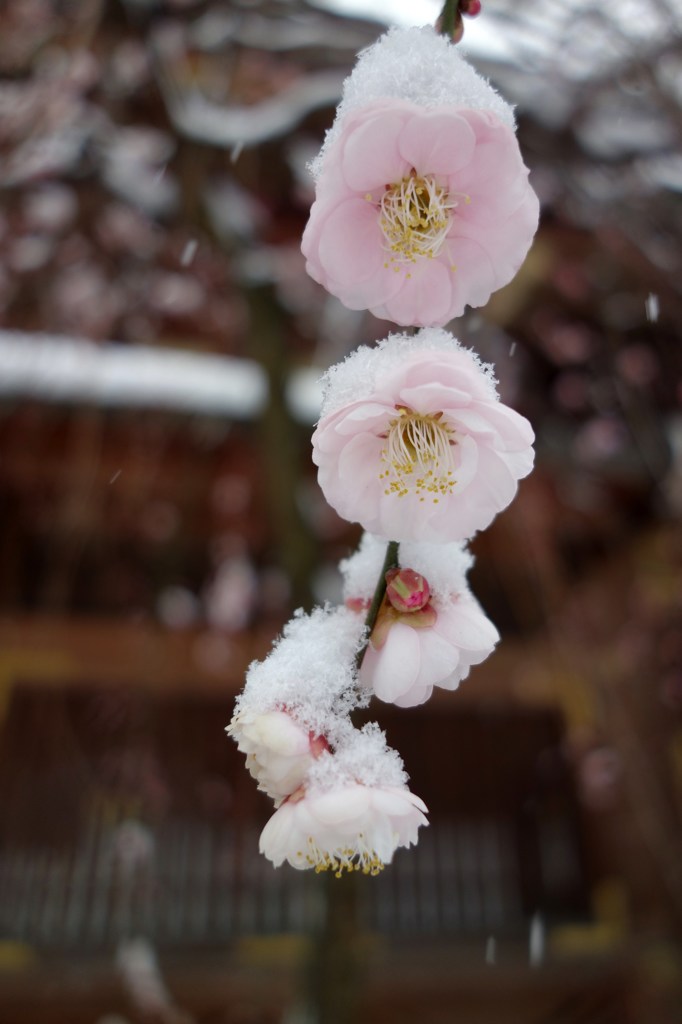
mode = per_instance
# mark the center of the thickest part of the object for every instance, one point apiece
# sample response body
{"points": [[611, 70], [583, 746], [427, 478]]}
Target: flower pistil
{"points": [[415, 218]]}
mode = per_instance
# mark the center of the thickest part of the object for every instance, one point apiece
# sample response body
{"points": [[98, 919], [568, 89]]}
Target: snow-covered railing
{"points": [[63, 369], [60, 368]]}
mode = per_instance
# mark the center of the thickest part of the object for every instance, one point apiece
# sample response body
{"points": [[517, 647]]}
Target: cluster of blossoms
{"points": [[422, 207], [340, 792]]}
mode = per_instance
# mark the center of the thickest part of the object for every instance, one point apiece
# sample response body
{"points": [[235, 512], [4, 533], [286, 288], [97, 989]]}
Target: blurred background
{"points": [[160, 520]]}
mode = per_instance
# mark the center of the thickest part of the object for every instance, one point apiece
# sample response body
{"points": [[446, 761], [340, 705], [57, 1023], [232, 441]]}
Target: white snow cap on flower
{"points": [[362, 372], [310, 671], [422, 200], [417, 65], [279, 751], [444, 566], [350, 828], [413, 442]]}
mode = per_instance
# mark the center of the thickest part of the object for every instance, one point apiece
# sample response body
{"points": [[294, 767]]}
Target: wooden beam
{"points": [[64, 650]]}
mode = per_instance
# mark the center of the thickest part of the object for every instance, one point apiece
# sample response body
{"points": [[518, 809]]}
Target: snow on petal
{"points": [[418, 66], [310, 672], [428, 151]]}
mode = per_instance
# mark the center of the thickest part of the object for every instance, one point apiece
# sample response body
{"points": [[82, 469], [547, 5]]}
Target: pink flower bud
{"points": [[471, 8], [279, 750], [407, 590]]}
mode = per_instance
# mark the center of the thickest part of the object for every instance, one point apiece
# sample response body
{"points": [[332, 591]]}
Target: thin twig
{"points": [[390, 562]]}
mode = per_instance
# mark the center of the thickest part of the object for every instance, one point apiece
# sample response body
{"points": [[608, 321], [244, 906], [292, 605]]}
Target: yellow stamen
{"points": [[357, 858], [418, 456], [415, 218]]}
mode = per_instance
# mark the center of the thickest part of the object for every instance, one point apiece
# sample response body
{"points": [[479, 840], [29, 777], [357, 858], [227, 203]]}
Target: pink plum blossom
{"points": [[414, 443], [429, 629], [419, 211], [405, 658], [349, 828], [279, 751]]}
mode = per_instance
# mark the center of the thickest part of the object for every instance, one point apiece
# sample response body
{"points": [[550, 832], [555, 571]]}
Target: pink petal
{"points": [[520, 463], [350, 478], [365, 415], [474, 278], [414, 697], [514, 238], [359, 459], [275, 837], [433, 398], [439, 657], [400, 518], [382, 837], [310, 241], [398, 663], [371, 160], [464, 624], [341, 806], [455, 519], [496, 155], [424, 299], [459, 372], [487, 205], [437, 142], [466, 453], [505, 243], [352, 489], [451, 682], [395, 803], [351, 257], [505, 428], [350, 242], [416, 801], [491, 491]]}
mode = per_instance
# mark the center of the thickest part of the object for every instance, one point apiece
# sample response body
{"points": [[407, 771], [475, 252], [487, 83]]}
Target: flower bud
{"points": [[279, 750], [470, 8], [407, 590]]}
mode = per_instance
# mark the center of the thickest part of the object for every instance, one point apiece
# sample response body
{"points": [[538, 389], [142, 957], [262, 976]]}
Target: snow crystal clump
{"points": [[361, 571], [310, 671], [361, 756], [361, 373], [444, 566], [420, 66]]}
